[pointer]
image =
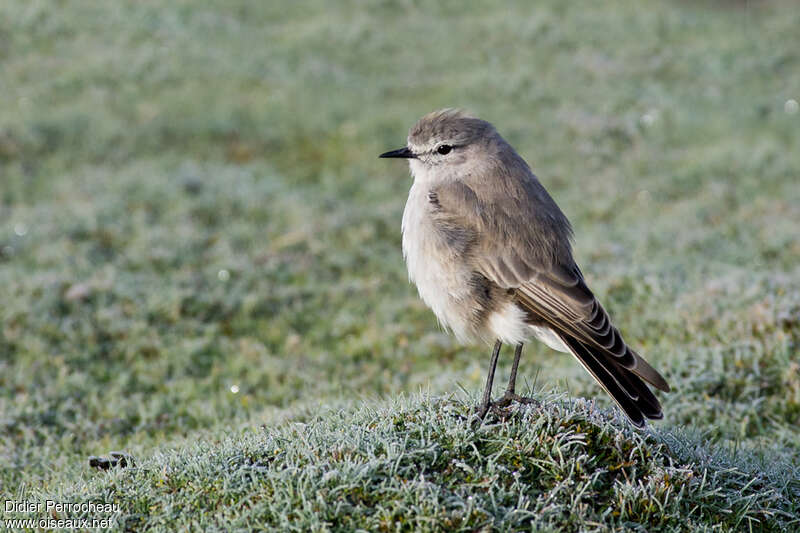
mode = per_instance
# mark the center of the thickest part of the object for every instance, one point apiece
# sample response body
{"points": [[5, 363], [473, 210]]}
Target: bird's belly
{"points": [[444, 288]]}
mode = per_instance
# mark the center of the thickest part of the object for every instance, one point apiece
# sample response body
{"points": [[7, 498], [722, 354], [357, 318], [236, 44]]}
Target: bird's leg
{"points": [[511, 395], [483, 408], [512, 380]]}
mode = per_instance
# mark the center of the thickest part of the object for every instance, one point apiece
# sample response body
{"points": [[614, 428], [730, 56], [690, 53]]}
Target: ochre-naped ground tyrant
{"points": [[490, 253]]}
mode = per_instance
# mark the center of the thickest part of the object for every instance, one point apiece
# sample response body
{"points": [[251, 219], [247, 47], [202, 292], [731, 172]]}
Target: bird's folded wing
{"points": [[571, 308], [518, 243]]}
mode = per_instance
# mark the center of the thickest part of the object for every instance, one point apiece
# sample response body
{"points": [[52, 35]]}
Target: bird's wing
{"points": [[520, 241]]}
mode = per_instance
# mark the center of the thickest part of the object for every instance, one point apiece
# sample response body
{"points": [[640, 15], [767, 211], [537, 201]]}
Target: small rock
{"points": [[101, 463], [122, 459], [118, 459]]}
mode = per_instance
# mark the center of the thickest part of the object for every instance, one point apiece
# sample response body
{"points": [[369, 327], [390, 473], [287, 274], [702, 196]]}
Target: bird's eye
{"points": [[444, 149]]}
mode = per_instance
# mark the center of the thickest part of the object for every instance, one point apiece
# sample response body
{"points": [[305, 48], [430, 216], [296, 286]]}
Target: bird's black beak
{"points": [[404, 152]]}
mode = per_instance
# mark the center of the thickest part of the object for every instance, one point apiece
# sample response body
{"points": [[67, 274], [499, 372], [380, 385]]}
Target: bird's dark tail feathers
{"points": [[623, 384]]}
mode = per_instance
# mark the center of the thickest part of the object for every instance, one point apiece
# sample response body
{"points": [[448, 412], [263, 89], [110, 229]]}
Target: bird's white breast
{"points": [[441, 279]]}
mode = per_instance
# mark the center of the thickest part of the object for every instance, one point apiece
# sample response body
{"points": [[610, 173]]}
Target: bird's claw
{"points": [[500, 407]]}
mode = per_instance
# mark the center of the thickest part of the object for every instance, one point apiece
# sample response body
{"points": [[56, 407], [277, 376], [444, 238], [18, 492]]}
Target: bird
{"points": [[490, 253]]}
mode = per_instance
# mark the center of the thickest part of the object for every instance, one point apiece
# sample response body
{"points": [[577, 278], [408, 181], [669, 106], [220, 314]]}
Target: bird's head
{"points": [[445, 141]]}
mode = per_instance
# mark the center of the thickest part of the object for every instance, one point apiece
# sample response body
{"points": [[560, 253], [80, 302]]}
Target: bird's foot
{"points": [[500, 407], [509, 397], [481, 410]]}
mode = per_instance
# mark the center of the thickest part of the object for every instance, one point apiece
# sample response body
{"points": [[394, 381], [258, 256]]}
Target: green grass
{"points": [[191, 200], [419, 464]]}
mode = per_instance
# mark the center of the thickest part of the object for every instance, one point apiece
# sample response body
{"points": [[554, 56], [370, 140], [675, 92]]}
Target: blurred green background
{"points": [[196, 233]]}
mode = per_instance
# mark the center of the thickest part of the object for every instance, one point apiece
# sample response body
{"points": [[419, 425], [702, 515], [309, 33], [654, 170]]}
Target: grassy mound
{"points": [[421, 465]]}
